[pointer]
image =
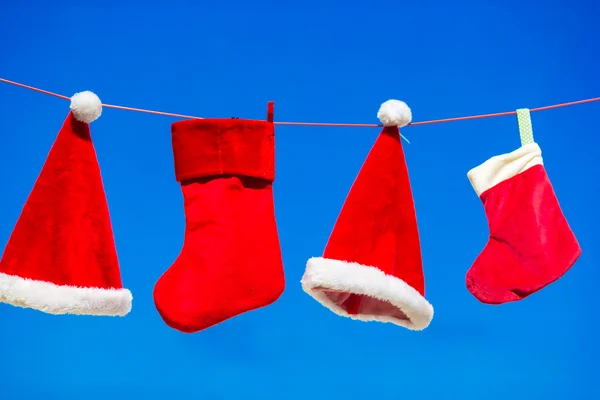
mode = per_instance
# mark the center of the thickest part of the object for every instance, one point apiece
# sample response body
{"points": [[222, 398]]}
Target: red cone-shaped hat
{"points": [[371, 269], [61, 256]]}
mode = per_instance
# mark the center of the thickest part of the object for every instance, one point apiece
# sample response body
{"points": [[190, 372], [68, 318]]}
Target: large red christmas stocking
{"points": [[531, 244], [230, 262]]}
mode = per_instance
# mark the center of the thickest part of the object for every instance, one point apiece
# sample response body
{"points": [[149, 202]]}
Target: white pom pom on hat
{"points": [[394, 113], [86, 106]]}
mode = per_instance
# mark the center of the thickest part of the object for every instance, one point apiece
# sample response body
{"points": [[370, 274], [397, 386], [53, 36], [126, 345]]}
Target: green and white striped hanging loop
{"points": [[525, 128]]}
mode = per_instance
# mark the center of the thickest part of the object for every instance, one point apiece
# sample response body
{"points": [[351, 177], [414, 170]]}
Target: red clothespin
{"points": [[270, 111]]}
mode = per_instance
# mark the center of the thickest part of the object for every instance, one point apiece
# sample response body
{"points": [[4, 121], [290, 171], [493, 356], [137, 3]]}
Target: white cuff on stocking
{"points": [[504, 166]]}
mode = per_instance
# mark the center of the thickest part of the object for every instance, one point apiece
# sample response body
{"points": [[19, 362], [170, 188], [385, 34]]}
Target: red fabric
{"points": [[378, 227], [270, 111], [211, 147], [531, 244], [230, 262], [64, 235]]}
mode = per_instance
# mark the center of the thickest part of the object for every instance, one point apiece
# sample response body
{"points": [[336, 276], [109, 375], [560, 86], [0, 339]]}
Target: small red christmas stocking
{"points": [[230, 262], [531, 244]]}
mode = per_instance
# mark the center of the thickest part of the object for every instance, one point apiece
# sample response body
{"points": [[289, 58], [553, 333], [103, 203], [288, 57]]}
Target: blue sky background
{"points": [[319, 61]]}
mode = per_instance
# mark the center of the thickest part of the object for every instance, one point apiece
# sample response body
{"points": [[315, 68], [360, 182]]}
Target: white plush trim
{"points": [[394, 113], [54, 299], [504, 166], [369, 281], [86, 106]]}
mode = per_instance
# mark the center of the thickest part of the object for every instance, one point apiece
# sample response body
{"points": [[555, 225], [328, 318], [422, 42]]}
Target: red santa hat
{"points": [[371, 268], [61, 257]]}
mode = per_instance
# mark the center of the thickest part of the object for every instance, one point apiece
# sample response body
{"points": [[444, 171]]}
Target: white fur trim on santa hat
{"points": [[55, 299], [504, 166], [86, 106], [360, 279], [394, 113]]}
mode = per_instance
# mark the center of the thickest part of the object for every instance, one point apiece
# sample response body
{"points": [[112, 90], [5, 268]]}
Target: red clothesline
{"points": [[435, 121]]}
